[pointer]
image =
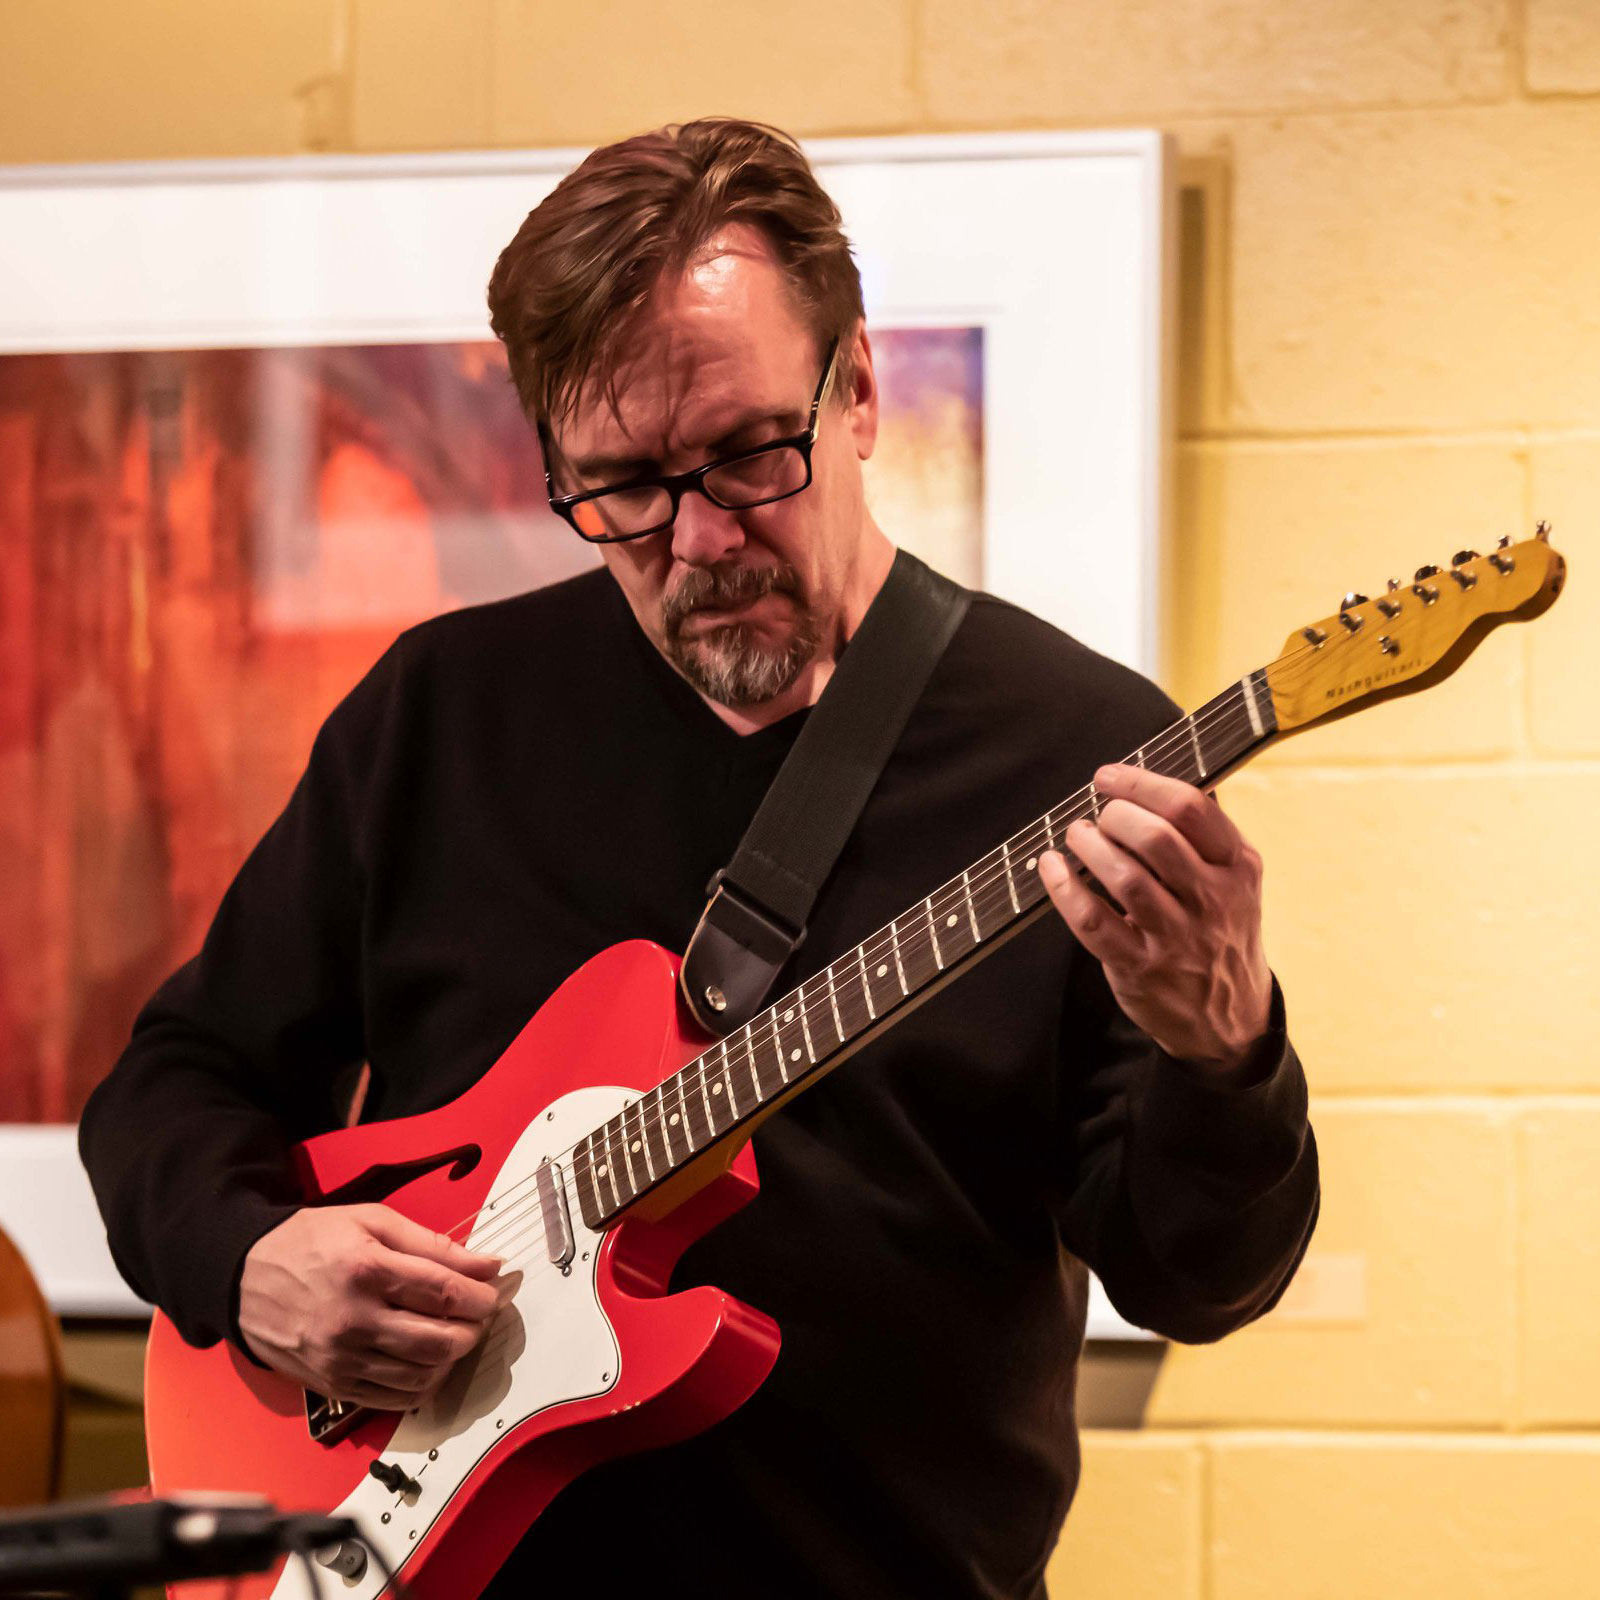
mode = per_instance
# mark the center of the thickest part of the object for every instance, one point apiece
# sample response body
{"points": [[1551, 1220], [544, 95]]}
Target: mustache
{"points": [[718, 587]]}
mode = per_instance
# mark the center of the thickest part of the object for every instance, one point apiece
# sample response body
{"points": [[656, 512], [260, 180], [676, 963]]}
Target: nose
{"points": [[704, 534]]}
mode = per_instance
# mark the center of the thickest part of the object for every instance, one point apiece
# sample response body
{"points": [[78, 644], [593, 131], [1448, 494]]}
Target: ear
{"points": [[862, 401]]}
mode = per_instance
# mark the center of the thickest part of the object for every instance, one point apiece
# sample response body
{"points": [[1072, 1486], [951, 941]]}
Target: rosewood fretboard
{"points": [[871, 986]]}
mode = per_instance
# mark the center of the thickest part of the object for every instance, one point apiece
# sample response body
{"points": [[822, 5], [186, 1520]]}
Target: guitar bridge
{"points": [[328, 1419]]}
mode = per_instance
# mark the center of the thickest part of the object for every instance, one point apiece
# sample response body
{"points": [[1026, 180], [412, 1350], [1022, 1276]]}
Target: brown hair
{"points": [[567, 291]]}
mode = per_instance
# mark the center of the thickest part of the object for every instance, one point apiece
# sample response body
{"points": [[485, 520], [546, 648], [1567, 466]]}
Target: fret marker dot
{"points": [[673, 1119], [794, 1055], [600, 1171], [636, 1147], [950, 921], [788, 1015], [1033, 861], [883, 972], [716, 1088]]}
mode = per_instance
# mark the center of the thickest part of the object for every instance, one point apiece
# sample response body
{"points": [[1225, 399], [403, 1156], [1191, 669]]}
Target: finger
{"points": [[374, 1396], [385, 1372], [1201, 821], [1149, 904], [1093, 923], [436, 1291], [401, 1233], [432, 1342], [1154, 841]]}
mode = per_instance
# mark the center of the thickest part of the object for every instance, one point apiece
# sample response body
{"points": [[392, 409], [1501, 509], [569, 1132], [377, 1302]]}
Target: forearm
{"points": [[1197, 1215]]}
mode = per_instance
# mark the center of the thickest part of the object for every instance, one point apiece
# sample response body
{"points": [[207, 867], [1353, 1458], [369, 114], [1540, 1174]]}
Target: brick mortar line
{"points": [[1445, 767], [1516, 1099], [1510, 434], [1503, 1439]]}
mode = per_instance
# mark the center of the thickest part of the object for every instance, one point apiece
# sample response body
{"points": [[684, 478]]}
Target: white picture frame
{"points": [[1060, 246]]}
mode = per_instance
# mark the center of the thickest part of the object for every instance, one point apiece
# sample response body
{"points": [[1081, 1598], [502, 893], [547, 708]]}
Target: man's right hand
{"points": [[359, 1303]]}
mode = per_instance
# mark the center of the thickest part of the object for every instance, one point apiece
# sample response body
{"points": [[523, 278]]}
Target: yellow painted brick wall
{"points": [[1390, 348]]}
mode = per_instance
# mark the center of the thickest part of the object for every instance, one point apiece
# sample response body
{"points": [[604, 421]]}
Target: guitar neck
{"points": [[869, 988]]}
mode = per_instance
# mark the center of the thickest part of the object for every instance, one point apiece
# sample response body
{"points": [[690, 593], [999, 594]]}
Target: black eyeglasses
{"points": [[649, 504]]}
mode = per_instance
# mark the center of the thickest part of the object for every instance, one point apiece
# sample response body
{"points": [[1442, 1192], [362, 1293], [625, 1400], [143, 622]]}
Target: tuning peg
{"points": [[1504, 543], [1542, 533], [1394, 583], [1462, 557], [1352, 599], [1426, 572]]}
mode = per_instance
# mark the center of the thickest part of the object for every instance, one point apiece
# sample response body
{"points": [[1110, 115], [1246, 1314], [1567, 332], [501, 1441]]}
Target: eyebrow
{"points": [[633, 465]]}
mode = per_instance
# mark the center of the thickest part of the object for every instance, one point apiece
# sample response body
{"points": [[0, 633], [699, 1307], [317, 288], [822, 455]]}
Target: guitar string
{"points": [[1291, 665], [877, 944], [872, 950], [651, 1122], [519, 1233]]}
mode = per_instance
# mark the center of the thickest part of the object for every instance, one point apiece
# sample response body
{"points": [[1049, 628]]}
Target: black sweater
{"points": [[514, 787]]}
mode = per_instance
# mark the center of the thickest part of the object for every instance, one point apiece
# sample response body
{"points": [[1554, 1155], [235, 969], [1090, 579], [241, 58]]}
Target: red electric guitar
{"points": [[609, 1136]]}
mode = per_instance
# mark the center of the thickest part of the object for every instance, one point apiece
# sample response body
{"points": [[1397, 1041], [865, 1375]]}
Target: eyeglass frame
{"points": [[679, 484]]}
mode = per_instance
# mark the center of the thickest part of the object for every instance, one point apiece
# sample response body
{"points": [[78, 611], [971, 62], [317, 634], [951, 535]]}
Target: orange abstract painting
{"points": [[201, 551]]}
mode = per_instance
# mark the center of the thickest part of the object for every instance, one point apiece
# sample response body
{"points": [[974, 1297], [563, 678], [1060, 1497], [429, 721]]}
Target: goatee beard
{"points": [[730, 664]]}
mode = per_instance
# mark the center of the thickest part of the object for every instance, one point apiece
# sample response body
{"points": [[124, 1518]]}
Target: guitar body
{"points": [[583, 1364]]}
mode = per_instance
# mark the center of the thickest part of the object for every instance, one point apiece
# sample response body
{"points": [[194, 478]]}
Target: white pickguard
{"points": [[550, 1344]]}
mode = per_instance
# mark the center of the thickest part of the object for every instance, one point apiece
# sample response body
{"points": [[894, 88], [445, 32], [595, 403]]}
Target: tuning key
{"points": [[1394, 583], [1542, 533], [1422, 589], [1462, 557], [1504, 542]]}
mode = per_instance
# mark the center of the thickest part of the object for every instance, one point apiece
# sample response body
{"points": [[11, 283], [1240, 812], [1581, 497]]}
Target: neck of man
{"points": [[866, 578]]}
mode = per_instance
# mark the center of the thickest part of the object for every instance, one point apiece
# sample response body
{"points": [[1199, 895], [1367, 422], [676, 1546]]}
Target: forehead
{"points": [[723, 341]]}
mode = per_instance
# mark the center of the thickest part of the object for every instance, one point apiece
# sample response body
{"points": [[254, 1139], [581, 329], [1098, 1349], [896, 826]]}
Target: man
{"points": [[516, 786]]}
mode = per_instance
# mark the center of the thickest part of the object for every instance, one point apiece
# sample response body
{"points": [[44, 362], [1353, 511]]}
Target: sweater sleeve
{"points": [[187, 1140], [1192, 1199]]}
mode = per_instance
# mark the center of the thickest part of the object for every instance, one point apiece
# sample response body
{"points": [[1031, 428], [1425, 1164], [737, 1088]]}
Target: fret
{"points": [[866, 983], [642, 1138], [1139, 760], [833, 1004], [938, 958], [727, 1079], [761, 1064], [679, 1118], [805, 1026], [1199, 754], [714, 1074], [696, 1106], [583, 1159], [615, 1165], [882, 980], [1094, 802], [1011, 881], [629, 1148], [699, 1067], [953, 945], [972, 916], [894, 940], [749, 1064], [671, 1119], [655, 1130], [1247, 688], [789, 1039]]}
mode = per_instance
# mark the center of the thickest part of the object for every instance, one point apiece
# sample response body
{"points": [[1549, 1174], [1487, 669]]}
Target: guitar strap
{"points": [[760, 902]]}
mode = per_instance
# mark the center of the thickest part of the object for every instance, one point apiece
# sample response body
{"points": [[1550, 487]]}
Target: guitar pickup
{"points": [[551, 1184]]}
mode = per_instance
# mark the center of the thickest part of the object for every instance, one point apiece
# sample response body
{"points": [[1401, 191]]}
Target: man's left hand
{"points": [[1184, 960]]}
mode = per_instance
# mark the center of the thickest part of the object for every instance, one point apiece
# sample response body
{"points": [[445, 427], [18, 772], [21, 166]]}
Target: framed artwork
{"points": [[252, 424]]}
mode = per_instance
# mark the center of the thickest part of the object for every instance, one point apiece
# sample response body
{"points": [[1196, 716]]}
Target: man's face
{"points": [[738, 601]]}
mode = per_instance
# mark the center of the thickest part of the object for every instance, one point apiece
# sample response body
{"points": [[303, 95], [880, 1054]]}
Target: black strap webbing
{"points": [[760, 902]]}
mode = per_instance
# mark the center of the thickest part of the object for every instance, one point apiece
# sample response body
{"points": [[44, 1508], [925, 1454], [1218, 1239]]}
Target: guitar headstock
{"points": [[1412, 636]]}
